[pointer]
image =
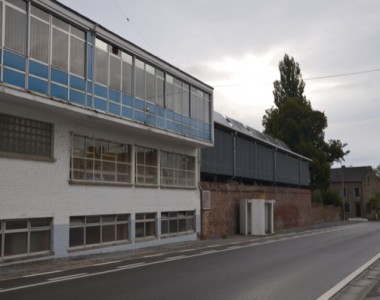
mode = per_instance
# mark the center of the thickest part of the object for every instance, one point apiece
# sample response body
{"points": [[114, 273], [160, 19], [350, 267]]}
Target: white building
{"points": [[99, 139]]}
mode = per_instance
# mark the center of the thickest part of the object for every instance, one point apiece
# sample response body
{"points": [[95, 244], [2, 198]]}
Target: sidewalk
{"points": [[364, 286]]}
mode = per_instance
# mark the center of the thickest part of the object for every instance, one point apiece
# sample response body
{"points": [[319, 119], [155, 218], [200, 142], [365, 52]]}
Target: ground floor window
{"points": [[98, 230], [23, 237], [145, 225], [177, 222]]}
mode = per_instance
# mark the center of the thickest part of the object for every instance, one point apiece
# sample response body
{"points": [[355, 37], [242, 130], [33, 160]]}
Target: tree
{"points": [[294, 121], [377, 170]]}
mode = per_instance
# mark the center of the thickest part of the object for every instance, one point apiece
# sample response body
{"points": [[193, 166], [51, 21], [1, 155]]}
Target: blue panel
{"points": [[100, 104], [14, 61], [169, 125], [114, 108], [77, 83], [126, 112], [169, 114], [38, 69], [194, 132], [150, 108], [127, 100], [160, 122], [100, 91], [185, 120], [89, 101], [177, 127], [194, 123], [139, 104], [58, 91], [59, 76], [160, 111], [186, 130], [139, 116], [90, 62], [38, 85], [201, 125], [177, 118], [77, 97], [89, 87], [150, 120], [114, 95], [14, 78]]}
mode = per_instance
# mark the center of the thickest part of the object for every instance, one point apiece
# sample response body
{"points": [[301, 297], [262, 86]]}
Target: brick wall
{"points": [[292, 208]]}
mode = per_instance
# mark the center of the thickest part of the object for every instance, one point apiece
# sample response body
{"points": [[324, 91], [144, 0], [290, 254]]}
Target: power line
{"points": [[342, 75]]}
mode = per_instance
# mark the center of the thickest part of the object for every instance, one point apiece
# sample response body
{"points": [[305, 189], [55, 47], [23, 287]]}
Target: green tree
{"points": [[294, 121]]}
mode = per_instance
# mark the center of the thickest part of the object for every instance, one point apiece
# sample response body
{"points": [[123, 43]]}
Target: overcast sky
{"points": [[235, 46]]}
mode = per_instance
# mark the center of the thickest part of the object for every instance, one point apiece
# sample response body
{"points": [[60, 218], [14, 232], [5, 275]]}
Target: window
{"points": [[101, 62], [169, 92], [95, 160], [98, 230], [177, 222], [39, 35], [160, 87], [15, 26], [25, 136], [127, 69], [200, 105], [344, 192], [77, 51], [357, 192], [115, 72], [177, 170], [60, 44], [146, 166], [150, 84], [140, 79], [24, 237], [145, 225]]}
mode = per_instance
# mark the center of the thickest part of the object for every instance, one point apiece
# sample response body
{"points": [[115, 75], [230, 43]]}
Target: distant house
{"points": [[357, 185]]}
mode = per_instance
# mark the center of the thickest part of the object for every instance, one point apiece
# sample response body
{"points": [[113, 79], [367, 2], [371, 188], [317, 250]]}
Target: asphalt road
{"points": [[294, 266]]}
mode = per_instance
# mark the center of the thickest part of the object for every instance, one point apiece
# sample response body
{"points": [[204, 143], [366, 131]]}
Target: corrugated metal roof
{"points": [[253, 133]]}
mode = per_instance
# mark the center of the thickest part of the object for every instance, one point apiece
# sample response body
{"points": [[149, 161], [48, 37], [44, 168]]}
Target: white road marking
{"points": [[107, 263], [175, 257], [67, 277], [131, 266], [188, 250], [153, 255], [335, 289], [40, 274], [210, 251]]}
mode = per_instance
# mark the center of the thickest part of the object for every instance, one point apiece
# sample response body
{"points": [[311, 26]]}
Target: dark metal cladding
{"points": [[244, 154]]}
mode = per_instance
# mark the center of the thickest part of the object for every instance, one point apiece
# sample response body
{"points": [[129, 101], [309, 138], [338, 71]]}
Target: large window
{"points": [[101, 62], [16, 26], [177, 170], [200, 105], [23, 237], [39, 35], [357, 192], [98, 230], [146, 166], [95, 160], [26, 136], [177, 222], [145, 225]]}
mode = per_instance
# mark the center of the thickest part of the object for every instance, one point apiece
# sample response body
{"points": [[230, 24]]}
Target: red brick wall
{"points": [[292, 207]]}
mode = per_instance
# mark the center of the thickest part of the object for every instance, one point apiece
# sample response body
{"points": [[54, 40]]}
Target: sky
{"points": [[235, 47]]}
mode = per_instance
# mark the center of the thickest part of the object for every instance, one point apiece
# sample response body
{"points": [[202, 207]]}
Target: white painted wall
{"points": [[30, 189]]}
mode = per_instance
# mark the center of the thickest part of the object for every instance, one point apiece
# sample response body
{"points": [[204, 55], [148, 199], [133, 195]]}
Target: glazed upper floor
{"points": [[52, 51]]}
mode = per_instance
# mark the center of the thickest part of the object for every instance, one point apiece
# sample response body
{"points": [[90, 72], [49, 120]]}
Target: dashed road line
{"points": [[188, 250], [153, 255], [40, 274], [175, 257], [107, 263], [131, 266], [67, 277]]}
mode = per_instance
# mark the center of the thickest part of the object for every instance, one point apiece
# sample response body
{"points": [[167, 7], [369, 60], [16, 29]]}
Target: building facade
{"points": [[356, 185], [99, 139]]}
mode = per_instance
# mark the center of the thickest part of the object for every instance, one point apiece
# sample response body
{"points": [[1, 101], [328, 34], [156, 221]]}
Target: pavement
{"points": [[365, 286]]}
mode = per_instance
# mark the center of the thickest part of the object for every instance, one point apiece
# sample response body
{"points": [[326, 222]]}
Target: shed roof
{"points": [[248, 131]]}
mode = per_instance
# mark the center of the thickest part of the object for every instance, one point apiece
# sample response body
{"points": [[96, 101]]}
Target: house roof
{"points": [[349, 174]]}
